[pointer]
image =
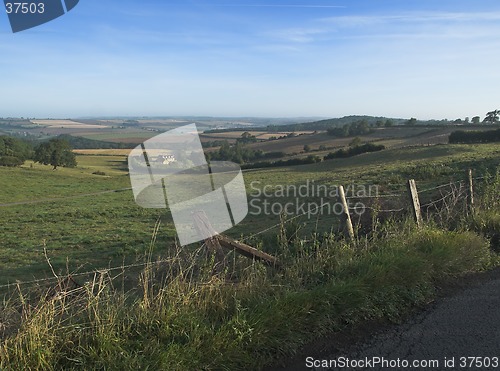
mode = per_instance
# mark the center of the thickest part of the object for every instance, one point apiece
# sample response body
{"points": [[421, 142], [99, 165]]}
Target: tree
{"points": [[492, 117], [488, 136], [354, 128], [476, 120], [355, 142], [55, 152], [412, 121], [246, 137], [13, 151], [307, 148]]}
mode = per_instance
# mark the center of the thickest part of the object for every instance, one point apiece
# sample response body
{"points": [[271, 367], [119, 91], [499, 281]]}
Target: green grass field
{"points": [[63, 210], [72, 220]]}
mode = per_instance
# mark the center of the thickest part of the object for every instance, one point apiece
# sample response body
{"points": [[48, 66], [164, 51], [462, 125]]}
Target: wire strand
{"points": [[80, 274], [169, 260]]}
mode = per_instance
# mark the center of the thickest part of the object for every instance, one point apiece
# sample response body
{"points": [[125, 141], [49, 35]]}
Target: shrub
{"points": [[311, 159], [461, 136], [487, 222], [353, 151], [10, 161], [274, 154], [14, 147]]}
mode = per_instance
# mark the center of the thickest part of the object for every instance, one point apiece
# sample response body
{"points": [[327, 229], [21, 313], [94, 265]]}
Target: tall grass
{"points": [[181, 315], [192, 319], [487, 219]]}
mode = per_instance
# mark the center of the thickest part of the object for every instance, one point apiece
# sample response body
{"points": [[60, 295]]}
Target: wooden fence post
{"points": [[346, 216], [415, 202], [470, 192], [218, 241]]}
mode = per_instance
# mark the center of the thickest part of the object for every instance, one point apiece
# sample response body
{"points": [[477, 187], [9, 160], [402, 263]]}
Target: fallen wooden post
{"points": [[204, 228], [217, 241], [247, 250]]}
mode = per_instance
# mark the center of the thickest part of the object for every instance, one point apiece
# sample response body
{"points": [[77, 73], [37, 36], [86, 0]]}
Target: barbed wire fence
{"points": [[462, 190]]}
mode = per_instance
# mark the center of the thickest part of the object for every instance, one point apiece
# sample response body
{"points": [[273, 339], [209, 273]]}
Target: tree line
{"points": [[241, 154], [14, 152], [55, 152], [355, 150], [312, 159], [465, 137], [355, 128]]}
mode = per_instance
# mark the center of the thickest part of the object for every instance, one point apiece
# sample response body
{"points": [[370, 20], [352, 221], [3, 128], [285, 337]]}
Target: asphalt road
{"points": [[465, 323]]}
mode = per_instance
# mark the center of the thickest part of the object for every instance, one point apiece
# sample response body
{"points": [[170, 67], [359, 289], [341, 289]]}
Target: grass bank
{"points": [[182, 317]]}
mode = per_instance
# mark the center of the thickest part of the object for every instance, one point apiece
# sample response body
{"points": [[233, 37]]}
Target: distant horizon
{"points": [[317, 118]]}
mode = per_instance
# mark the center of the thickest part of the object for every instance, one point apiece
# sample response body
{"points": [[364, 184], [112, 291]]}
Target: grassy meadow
{"points": [[71, 213], [175, 312]]}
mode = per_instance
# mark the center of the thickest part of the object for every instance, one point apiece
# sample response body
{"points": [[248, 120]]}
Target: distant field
{"points": [[258, 134], [67, 124], [399, 136], [117, 136], [268, 135], [391, 137], [296, 144], [103, 152]]}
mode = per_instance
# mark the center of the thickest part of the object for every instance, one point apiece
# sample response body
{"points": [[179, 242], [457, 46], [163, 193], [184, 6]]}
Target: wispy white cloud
{"points": [[410, 18], [299, 35], [416, 25]]}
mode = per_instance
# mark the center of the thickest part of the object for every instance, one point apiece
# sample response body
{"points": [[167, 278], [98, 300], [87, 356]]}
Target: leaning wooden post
{"points": [[218, 241], [204, 228], [415, 202], [470, 193], [346, 216]]}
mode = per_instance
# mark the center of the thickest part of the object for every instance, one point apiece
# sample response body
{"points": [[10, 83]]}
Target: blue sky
{"points": [[281, 58]]}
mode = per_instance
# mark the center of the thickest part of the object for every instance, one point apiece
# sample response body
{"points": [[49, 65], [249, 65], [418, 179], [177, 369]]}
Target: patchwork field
{"points": [[88, 221], [391, 137], [67, 124], [119, 135], [260, 135], [103, 152]]}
